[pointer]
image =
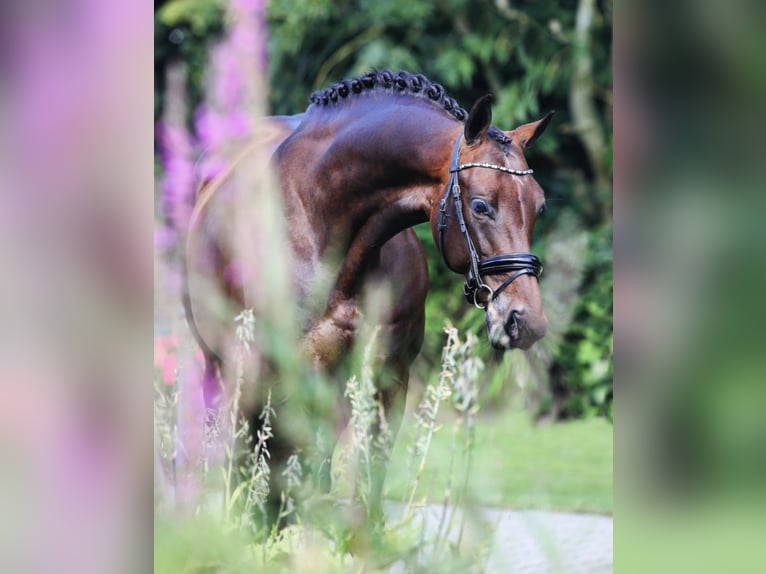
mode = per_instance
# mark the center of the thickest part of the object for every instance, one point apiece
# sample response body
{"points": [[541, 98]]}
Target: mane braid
{"points": [[386, 81]]}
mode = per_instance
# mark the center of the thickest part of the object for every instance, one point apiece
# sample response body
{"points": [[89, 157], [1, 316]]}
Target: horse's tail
{"points": [[186, 299], [211, 173]]}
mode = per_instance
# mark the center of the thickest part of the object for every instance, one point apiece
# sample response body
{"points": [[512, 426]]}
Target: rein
{"points": [[521, 263]]}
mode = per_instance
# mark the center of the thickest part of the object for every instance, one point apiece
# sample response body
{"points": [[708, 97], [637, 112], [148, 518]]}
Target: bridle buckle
{"points": [[490, 296], [442, 225]]}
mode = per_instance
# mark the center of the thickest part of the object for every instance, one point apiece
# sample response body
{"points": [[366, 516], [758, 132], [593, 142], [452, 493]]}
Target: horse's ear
{"points": [[479, 119], [527, 134]]}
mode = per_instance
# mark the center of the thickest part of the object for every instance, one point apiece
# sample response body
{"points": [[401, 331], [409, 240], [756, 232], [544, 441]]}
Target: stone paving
{"points": [[538, 542]]}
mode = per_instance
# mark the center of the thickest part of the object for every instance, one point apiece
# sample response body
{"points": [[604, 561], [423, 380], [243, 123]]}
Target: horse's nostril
{"points": [[512, 324], [514, 321]]}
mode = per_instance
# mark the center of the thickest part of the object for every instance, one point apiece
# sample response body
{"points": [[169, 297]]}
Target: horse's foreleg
{"points": [[391, 401]]}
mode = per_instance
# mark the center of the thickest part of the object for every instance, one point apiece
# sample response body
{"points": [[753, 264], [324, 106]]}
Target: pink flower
{"points": [[166, 357], [166, 350]]}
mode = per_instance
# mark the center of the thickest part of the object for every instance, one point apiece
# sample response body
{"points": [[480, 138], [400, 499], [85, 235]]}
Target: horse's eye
{"points": [[479, 207]]}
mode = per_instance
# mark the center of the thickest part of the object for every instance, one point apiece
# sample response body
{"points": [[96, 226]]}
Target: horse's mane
{"points": [[386, 81]]}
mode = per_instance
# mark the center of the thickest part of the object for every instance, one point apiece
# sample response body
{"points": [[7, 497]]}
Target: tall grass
{"points": [[403, 541]]}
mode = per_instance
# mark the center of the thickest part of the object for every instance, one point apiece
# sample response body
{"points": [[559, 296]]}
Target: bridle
{"points": [[521, 263]]}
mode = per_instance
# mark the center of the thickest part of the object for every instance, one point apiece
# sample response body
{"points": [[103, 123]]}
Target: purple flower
{"points": [[178, 184], [227, 115]]}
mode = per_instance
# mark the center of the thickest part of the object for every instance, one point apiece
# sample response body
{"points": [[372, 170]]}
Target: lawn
{"points": [[517, 463]]}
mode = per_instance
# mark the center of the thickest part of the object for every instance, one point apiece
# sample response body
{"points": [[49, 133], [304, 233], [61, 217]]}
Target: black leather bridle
{"points": [[521, 263]]}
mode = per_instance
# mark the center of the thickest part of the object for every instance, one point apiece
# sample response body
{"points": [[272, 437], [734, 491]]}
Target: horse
{"points": [[369, 158]]}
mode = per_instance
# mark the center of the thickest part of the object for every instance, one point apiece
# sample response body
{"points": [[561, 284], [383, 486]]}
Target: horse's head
{"points": [[483, 226]]}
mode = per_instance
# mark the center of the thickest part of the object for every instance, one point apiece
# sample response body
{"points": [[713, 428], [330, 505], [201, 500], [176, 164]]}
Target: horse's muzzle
{"points": [[519, 330]]}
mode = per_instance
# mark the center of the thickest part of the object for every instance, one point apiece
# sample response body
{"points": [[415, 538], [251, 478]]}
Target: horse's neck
{"points": [[394, 167], [367, 177], [382, 158], [394, 147]]}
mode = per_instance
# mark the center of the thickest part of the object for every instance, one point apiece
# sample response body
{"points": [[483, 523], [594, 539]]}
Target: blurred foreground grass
{"points": [[517, 463], [507, 460]]}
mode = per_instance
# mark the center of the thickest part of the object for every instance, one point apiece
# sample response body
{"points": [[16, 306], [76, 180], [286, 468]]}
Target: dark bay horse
{"points": [[368, 159]]}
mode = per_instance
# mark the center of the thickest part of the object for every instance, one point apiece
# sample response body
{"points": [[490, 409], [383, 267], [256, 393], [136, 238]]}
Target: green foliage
{"points": [[185, 30], [472, 48], [194, 14], [582, 374]]}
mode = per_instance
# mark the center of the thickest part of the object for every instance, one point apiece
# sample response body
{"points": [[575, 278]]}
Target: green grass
{"points": [[517, 463]]}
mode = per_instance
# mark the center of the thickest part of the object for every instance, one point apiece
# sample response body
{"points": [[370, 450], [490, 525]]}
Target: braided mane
{"points": [[386, 81]]}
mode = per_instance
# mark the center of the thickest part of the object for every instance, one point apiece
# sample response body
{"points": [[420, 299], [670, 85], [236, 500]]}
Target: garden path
{"points": [[535, 541]]}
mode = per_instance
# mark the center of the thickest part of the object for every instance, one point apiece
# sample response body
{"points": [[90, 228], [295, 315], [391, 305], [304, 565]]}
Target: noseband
{"points": [[521, 263]]}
